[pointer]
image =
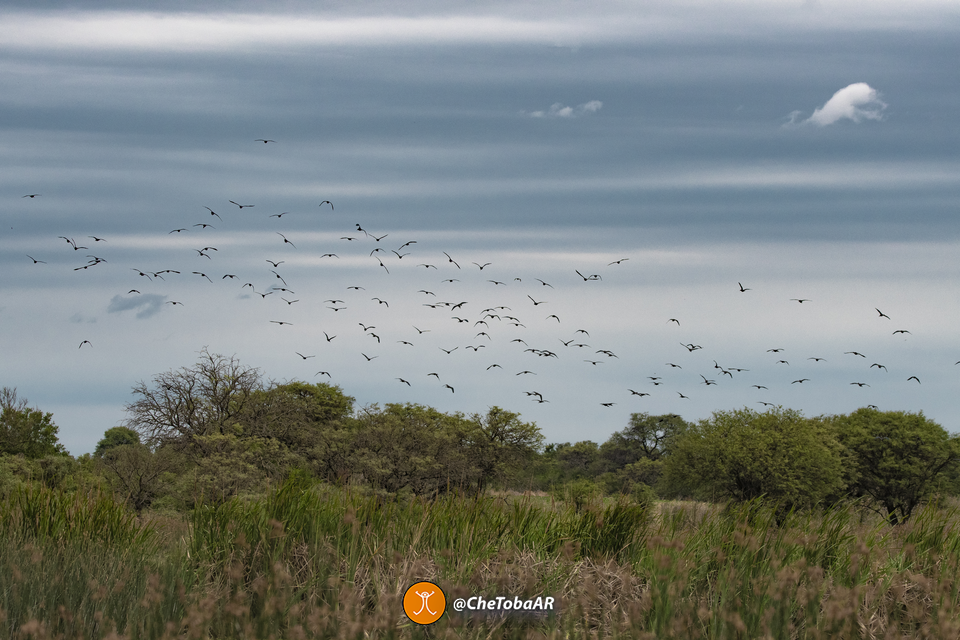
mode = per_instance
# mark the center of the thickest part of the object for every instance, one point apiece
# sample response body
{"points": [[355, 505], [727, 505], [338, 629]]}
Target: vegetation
{"points": [[231, 507]]}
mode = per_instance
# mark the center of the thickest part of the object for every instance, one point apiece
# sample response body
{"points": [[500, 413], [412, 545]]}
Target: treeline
{"points": [[217, 430]]}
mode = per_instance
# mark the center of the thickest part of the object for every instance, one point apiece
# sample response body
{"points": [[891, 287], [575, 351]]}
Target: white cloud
{"points": [[558, 110], [858, 101]]}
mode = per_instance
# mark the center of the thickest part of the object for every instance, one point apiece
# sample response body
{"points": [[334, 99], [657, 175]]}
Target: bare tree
{"points": [[183, 406]]}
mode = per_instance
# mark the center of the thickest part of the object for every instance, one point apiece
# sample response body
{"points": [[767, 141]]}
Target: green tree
{"points": [[25, 431], [410, 447], [636, 453], [115, 437], [296, 413], [743, 454], [139, 474], [578, 461], [897, 457], [502, 445]]}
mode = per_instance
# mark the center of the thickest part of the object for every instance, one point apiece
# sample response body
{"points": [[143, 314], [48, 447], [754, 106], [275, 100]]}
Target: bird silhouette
{"points": [[327, 202], [449, 259], [85, 342], [742, 289], [303, 356], [449, 387], [242, 206], [263, 140], [882, 314], [35, 261]]}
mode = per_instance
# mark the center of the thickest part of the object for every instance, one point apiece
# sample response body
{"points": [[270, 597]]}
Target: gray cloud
{"points": [[148, 303]]}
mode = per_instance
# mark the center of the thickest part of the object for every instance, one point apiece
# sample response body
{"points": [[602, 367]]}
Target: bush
{"points": [[898, 458], [745, 455]]}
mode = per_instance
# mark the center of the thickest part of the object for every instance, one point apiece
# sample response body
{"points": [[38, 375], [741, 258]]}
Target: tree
{"points": [[206, 399], [25, 431], [295, 413], [636, 453], [410, 447], [139, 473], [115, 437], [578, 460], [743, 454], [897, 457], [502, 444]]}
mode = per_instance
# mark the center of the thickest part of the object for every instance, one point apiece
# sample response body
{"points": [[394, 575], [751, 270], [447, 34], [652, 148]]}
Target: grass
{"points": [[314, 561]]}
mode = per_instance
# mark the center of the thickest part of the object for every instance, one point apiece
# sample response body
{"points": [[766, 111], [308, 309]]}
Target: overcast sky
{"points": [[799, 150]]}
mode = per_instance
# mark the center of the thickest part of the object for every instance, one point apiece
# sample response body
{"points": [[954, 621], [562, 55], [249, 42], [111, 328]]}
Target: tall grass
{"points": [[314, 561]]}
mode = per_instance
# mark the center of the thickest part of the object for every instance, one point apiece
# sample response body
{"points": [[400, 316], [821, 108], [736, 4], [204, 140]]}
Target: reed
{"points": [[308, 560]]}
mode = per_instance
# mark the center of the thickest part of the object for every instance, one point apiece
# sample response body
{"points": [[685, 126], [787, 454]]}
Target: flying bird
{"points": [[913, 378], [35, 261], [327, 202], [742, 289], [85, 342], [303, 356], [285, 239], [263, 140], [240, 205], [280, 322], [449, 387], [882, 314], [486, 264]]}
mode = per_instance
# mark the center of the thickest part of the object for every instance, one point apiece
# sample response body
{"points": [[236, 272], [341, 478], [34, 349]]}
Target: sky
{"points": [[661, 182]]}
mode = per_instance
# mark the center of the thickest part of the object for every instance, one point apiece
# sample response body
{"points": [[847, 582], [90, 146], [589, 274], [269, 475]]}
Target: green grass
{"points": [[314, 561]]}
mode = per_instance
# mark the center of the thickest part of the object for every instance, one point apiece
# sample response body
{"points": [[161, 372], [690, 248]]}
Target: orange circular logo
{"points": [[424, 603]]}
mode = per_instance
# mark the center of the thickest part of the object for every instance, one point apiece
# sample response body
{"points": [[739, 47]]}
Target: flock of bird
{"points": [[509, 322]]}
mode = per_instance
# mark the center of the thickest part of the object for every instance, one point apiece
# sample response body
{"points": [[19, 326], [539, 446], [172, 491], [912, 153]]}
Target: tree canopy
{"points": [[25, 431]]}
